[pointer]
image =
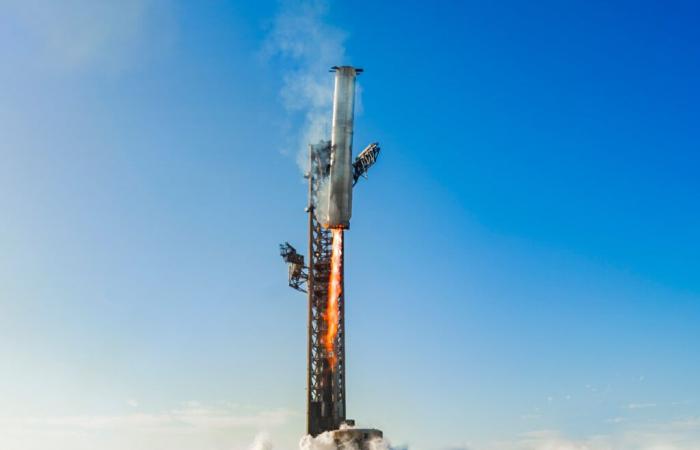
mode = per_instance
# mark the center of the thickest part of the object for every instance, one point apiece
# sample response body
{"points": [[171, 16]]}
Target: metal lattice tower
{"points": [[325, 386]]}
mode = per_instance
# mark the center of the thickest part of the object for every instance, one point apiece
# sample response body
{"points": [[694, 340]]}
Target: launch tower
{"points": [[331, 177]]}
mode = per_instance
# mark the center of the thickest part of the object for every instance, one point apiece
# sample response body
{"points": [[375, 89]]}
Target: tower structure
{"points": [[325, 384], [329, 162]]}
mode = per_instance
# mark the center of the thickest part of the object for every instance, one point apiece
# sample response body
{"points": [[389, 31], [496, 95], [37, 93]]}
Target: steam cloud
{"points": [[309, 46], [324, 441], [261, 442]]}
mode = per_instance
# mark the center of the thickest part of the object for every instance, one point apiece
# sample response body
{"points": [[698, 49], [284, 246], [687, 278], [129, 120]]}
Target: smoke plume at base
{"points": [[325, 441]]}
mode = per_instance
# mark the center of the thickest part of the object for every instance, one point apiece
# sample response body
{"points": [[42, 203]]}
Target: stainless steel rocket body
{"points": [[340, 176]]}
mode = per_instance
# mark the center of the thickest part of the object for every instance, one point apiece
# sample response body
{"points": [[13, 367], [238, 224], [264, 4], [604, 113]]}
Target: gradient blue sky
{"points": [[522, 269]]}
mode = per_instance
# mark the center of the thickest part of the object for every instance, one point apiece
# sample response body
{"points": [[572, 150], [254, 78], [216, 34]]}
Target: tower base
{"points": [[356, 438]]}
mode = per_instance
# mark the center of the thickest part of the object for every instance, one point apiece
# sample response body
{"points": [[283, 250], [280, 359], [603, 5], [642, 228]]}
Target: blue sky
{"points": [[522, 268]]}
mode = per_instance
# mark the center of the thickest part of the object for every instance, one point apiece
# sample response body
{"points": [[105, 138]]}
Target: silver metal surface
{"points": [[341, 169]]}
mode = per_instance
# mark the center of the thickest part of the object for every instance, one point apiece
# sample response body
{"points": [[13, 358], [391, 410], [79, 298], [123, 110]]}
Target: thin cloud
{"points": [[190, 417], [641, 405], [682, 434]]}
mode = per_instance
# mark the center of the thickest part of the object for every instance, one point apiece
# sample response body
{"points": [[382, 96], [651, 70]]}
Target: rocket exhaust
{"points": [[340, 181], [335, 290]]}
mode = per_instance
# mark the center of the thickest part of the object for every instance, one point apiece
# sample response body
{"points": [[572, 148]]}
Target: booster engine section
{"points": [[341, 169]]}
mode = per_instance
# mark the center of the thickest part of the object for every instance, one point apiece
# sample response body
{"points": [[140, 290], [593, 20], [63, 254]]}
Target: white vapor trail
{"points": [[308, 47]]}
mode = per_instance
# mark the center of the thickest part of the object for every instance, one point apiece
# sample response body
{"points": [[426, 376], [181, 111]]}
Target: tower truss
{"points": [[325, 384]]}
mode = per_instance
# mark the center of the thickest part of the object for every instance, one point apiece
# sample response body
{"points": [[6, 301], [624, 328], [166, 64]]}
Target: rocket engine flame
{"points": [[335, 290]]}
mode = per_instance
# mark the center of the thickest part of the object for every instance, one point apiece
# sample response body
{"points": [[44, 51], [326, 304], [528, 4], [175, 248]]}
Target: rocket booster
{"points": [[340, 177]]}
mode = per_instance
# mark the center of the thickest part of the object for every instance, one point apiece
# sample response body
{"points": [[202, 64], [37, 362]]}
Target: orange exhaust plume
{"points": [[335, 290]]}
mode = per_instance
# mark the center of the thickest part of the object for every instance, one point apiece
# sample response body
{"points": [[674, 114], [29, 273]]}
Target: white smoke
{"points": [[325, 441], [307, 47], [261, 442]]}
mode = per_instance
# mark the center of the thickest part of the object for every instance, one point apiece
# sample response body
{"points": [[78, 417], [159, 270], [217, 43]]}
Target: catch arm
{"points": [[298, 272], [364, 161]]}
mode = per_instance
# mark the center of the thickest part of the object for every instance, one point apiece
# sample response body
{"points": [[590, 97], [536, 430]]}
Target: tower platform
{"points": [[347, 438]]}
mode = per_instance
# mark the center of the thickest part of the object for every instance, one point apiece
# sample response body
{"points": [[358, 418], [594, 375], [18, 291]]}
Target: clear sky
{"points": [[522, 268]]}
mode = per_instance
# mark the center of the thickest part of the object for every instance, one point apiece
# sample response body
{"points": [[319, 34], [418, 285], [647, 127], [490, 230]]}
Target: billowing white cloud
{"points": [[326, 441]]}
